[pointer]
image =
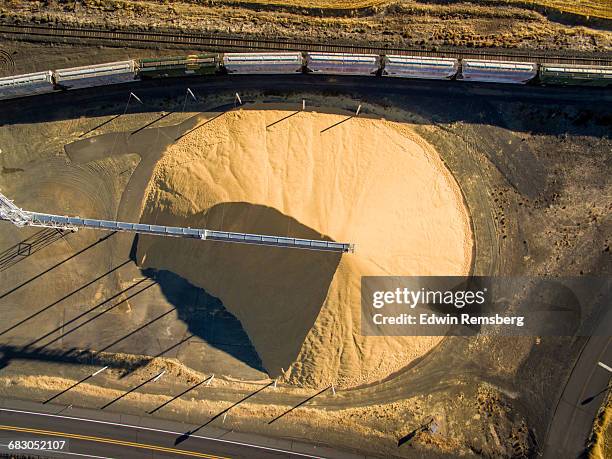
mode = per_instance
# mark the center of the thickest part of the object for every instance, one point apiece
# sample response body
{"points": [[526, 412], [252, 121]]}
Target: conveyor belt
{"points": [[58, 221]]}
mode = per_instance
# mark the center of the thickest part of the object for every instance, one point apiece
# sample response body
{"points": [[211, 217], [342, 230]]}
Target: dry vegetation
{"points": [[594, 8], [601, 439], [375, 428], [314, 4], [405, 23]]}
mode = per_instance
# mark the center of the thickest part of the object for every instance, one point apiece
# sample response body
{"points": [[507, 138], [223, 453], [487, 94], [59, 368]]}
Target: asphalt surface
{"points": [[582, 397], [90, 433]]}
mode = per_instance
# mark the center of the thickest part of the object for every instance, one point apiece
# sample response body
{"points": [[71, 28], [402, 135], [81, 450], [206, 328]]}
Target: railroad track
{"points": [[221, 43]]}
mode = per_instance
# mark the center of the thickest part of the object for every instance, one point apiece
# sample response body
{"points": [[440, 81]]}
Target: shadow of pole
{"points": [[588, 400], [21, 322], [200, 125], [189, 389], [94, 355], [299, 404], [338, 123], [408, 437], [100, 125], [282, 119], [133, 332], [46, 271], [151, 123], [184, 340], [68, 388], [186, 435], [153, 378], [30, 246], [91, 319]]}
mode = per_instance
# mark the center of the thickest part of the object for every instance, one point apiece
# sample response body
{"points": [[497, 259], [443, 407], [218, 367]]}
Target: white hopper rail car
{"points": [[498, 71], [433, 68], [343, 64], [26, 85], [96, 75], [263, 63]]}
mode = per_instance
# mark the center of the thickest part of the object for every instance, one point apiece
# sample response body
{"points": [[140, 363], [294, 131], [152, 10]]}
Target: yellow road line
{"points": [[112, 441]]}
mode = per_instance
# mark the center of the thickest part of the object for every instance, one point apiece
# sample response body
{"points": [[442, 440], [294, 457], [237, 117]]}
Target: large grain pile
{"points": [[369, 182]]}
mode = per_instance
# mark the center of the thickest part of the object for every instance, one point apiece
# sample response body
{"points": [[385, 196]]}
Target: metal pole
{"points": [[123, 114]]}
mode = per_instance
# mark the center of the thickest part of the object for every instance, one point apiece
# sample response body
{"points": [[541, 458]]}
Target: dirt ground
{"points": [[535, 177], [405, 23]]}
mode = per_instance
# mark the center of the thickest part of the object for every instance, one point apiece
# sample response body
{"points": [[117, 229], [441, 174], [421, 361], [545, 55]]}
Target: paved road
{"points": [[99, 434], [572, 421]]}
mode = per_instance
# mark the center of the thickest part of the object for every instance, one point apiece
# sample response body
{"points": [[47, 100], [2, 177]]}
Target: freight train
{"points": [[287, 63]]}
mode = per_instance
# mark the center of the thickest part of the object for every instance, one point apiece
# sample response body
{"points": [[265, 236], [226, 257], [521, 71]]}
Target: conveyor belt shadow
{"points": [[70, 356]]}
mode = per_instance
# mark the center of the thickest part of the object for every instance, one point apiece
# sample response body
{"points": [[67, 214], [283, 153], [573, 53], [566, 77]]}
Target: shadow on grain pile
{"points": [[270, 275]]}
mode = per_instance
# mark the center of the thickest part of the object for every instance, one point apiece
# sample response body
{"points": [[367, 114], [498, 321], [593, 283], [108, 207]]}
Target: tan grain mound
{"points": [[362, 181]]}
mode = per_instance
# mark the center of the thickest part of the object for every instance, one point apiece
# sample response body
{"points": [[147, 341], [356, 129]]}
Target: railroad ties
{"points": [[227, 43]]}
